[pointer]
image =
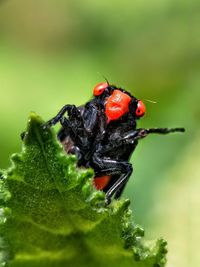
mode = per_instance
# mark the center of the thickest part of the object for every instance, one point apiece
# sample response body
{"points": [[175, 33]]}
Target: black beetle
{"points": [[103, 135]]}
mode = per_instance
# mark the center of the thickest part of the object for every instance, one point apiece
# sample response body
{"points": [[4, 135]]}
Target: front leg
{"points": [[71, 109], [71, 129], [120, 139], [132, 136], [162, 130], [141, 133]]}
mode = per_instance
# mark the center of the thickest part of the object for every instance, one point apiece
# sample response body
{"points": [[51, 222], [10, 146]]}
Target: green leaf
{"points": [[51, 215]]}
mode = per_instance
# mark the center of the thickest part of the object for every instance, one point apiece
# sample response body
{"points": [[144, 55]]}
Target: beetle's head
{"points": [[118, 102]]}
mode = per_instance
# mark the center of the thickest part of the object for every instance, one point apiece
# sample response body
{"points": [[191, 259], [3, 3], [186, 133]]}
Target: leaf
{"points": [[51, 215]]}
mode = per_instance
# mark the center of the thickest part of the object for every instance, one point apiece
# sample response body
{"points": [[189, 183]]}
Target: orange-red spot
{"points": [[99, 89], [117, 105], [101, 182]]}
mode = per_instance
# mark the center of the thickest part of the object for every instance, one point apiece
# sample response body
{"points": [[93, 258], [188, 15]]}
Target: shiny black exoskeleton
{"points": [[84, 127], [103, 135]]}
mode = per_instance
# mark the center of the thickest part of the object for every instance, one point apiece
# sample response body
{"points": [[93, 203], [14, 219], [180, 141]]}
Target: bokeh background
{"points": [[54, 52]]}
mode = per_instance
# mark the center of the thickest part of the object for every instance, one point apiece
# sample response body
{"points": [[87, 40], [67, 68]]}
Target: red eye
{"points": [[141, 109], [99, 89]]}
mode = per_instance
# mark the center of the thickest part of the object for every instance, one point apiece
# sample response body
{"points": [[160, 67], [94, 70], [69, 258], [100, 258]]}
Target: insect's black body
{"points": [[103, 134], [84, 128]]}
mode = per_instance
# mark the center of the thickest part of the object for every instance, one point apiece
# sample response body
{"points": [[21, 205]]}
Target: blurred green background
{"points": [[54, 52]]}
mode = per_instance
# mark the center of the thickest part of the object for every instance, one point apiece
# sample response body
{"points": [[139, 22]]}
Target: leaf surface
{"points": [[51, 215]]}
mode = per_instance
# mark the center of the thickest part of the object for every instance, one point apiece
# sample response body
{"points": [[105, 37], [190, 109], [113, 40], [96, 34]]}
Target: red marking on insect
{"points": [[99, 89], [101, 182], [117, 105], [141, 109]]}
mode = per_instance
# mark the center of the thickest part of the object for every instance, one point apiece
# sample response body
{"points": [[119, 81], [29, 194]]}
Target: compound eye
{"points": [[99, 89], [141, 109]]}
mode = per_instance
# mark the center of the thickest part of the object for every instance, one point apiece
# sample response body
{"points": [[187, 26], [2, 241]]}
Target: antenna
{"points": [[104, 77], [150, 101]]}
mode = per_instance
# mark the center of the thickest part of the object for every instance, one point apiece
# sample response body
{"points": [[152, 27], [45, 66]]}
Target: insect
{"points": [[103, 135]]}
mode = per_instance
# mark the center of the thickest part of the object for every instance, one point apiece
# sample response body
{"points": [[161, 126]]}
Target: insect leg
{"points": [[69, 129], [164, 130], [132, 136], [144, 132], [120, 191], [119, 185], [67, 108], [111, 167], [69, 139]]}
